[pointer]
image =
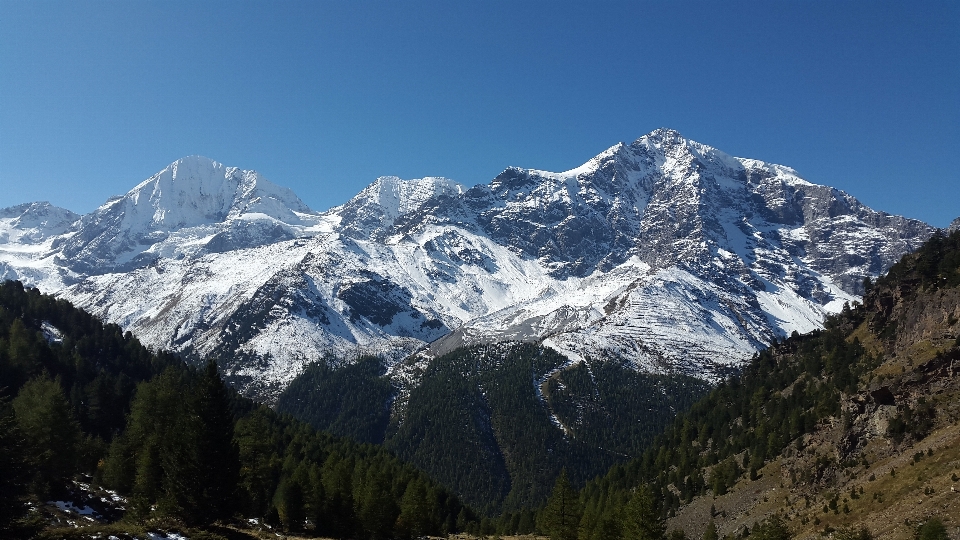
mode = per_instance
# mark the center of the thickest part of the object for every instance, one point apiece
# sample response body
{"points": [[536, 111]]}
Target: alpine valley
{"points": [[587, 299]]}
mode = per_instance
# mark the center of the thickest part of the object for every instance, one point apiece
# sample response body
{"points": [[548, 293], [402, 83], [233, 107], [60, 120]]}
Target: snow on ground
{"points": [[67, 506]]}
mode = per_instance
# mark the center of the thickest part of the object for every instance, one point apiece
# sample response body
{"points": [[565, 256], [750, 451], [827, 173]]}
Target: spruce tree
{"points": [[202, 468], [52, 433], [560, 519], [415, 519], [642, 519], [16, 473]]}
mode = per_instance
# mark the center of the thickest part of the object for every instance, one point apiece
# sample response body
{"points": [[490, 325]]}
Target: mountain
{"points": [[194, 205], [95, 427], [853, 426], [666, 251], [27, 232]]}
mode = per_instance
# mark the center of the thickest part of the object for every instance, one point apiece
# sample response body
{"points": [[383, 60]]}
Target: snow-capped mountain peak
{"points": [[196, 190], [666, 252], [375, 209], [178, 211], [32, 223]]}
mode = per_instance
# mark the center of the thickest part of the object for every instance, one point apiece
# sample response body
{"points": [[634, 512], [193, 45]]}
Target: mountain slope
{"points": [[477, 406], [854, 425], [207, 259]]}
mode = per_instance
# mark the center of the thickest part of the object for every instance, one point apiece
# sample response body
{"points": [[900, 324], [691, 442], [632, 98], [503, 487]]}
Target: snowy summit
{"points": [[664, 251]]}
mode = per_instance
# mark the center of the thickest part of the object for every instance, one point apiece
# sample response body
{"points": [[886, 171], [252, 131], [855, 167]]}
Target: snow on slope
{"points": [[193, 204], [27, 233], [665, 251]]}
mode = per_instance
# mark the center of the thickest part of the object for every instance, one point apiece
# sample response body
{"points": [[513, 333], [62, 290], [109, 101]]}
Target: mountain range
{"points": [[665, 251]]}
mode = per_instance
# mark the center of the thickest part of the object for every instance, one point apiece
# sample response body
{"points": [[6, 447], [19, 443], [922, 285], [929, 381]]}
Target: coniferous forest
{"points": [[465, 411], [82, 400]]}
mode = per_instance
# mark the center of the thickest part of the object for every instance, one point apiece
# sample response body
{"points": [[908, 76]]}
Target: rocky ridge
{"points": [[889, 460], [664, 250]]}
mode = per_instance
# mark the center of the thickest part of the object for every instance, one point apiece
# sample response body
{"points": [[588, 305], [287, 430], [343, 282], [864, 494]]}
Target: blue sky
{"points": [[323, 97]]}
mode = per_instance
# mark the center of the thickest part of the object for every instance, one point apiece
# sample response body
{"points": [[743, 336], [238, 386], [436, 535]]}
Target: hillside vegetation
{"points": [[84, 405], [517, 413], [855, 428]]}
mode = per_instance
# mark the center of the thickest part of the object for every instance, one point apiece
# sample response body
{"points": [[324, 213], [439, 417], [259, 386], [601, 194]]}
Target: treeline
{"points": [[935, 265], [781, 394], [498, 408], [80, 397]]}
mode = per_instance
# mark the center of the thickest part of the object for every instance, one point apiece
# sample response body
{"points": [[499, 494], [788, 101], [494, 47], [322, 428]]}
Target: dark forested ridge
{"points": [[350, 401], [516, 413], [815, 431], [81, 398]]}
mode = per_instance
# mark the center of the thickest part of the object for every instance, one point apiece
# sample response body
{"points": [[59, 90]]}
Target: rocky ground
{"points": [[859, 469]]}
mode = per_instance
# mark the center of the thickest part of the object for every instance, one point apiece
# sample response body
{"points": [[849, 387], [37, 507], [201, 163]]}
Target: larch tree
{"points": [[641, 518], [560, 519]]}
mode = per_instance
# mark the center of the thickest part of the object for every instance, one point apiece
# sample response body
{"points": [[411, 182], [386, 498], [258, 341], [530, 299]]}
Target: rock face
{"points": [[189, 199], [665, 251], [954, 225]]}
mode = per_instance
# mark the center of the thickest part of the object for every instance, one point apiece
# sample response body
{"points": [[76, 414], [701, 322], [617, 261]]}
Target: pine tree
{"points": [[642, 519], [316, 496], [711, 532], [21, 359], [525, 525], [261, 462], [415, 519], [16, 474], [560, 519], [219, 454], [337, 473], [378, 507], [202, 470], [289, 501], [182, 473], [51, 430], [608, 528], [134, 465]]}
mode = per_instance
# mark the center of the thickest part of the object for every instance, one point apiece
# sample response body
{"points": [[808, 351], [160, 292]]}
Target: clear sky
{"points": [[325, 96]]}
